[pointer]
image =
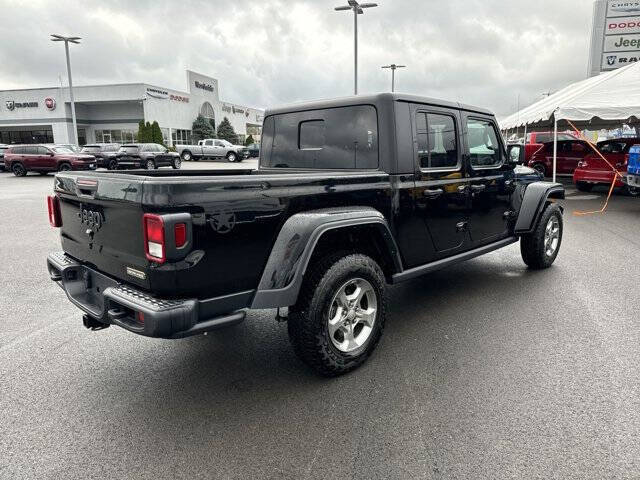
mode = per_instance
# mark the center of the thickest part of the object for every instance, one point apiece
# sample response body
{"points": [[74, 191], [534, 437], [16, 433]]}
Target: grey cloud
{"points": [[270, 52]]}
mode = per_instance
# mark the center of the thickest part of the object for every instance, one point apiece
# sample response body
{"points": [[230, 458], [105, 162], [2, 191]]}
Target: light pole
{"points": [[393, 68], [67, 40], [357, 10]]}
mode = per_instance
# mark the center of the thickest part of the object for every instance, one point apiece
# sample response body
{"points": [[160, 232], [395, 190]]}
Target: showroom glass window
{"points": [[331, 138], [484, 147], [437, 141]]}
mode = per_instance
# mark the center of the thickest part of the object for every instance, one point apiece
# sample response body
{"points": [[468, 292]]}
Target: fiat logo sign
{"points": [[50, 103]]}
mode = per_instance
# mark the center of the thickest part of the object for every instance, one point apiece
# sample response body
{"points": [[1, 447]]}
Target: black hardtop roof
{"points": [[375, 99]]}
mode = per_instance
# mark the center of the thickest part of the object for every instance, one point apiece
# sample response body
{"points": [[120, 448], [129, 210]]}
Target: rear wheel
{"points": [[632, 191], [540, 248], [64, 167], [539, 167], [18, 170], [150, 165], [339, 316], [232, 157], [584, 186], [176, 163], [113, 165]]}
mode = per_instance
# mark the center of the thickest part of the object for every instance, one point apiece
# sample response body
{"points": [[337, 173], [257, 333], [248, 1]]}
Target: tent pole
{"points": [[555, 145], [525, 143]]}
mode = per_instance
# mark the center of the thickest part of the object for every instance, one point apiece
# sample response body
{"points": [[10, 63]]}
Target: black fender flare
{"points": [[283, 274], [533, 202]]}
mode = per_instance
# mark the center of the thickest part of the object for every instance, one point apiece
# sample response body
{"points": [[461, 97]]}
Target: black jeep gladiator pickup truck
{"points": [[351, 195]]}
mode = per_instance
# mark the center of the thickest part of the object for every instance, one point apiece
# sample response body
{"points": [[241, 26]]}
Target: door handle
{"points": [[478, 188], [508, 183], [435, 193], [462, 188]]}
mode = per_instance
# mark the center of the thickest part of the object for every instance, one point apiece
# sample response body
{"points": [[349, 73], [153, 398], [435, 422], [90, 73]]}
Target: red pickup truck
{"points": [[536, 140]]}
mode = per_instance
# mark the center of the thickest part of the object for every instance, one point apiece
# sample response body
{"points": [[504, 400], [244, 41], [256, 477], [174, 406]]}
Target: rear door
{"points": [[491, 180], [440, 194], [30, 157], [219, 149]]}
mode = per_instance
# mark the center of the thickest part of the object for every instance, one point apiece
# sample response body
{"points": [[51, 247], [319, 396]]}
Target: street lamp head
{"points": [[356, 7], [60, 38]]}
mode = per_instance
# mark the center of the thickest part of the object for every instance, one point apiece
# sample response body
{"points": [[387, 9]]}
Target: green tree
{"points": [[202, 129], [249, 140], [148, 133], [156, 133], [141, 132], [226, 131]]}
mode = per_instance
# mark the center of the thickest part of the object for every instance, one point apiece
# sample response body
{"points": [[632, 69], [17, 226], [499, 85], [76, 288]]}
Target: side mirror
{"points": [[515, 152]]}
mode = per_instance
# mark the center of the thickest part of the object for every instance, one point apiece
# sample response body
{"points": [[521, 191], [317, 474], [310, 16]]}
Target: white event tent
{"points": [[604, 101]]}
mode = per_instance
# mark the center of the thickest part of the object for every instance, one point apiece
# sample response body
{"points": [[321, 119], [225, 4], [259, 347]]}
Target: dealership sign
{"points": [[50, 103], [621, 43], [204, 86], [157, 93], [611, 61], [622, 25], [12, 105], [617, 8]]}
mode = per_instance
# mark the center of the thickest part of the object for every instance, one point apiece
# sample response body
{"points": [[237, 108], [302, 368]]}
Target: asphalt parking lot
{"points": [[486, 370]]}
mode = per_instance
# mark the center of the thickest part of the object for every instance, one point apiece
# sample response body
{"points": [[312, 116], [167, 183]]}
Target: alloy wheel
{"points": [[352, 315], [150, 165], [551, 236]]}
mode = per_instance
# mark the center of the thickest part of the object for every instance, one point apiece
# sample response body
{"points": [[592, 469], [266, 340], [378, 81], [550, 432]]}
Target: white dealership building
{"points": [[110, 113]]}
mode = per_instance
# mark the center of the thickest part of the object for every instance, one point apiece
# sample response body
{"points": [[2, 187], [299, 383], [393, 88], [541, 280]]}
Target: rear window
{"points": [[129, 149], [90, 149], [331, 138]]}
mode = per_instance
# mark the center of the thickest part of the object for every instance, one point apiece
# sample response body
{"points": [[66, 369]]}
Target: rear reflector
{"points": [[53, 205], [153, 227], [180, 231]]}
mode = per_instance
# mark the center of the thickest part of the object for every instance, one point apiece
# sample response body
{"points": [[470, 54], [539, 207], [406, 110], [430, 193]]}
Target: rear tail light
{"points": [[53, 205], [154, 239], [626, 160], [180, 232]]}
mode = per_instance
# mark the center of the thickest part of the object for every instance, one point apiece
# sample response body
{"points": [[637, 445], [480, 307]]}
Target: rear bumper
{"points": [[114, 303], [596, 176], [633, 180]]}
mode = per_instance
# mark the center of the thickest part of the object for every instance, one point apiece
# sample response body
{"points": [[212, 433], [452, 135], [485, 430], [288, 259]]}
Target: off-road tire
{"points": [[307, 322], [18, 170], [584, 186], [532, 245]]}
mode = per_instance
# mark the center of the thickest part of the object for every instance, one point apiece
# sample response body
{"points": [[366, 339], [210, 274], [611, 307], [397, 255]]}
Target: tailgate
{"points": [[102, 223]]}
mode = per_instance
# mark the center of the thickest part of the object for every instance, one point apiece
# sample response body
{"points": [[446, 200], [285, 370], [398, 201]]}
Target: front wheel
{"points": [[113, 165], [584, 186], [632, 191], [176, 163], [186, 156], [540, 248], [340, 313], [151, 165], [232, 157], [64, 167], [18, 170]]}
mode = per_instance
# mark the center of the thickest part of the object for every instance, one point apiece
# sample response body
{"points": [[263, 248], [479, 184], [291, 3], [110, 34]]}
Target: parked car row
{"points": [[576, 157], [45, 158]]}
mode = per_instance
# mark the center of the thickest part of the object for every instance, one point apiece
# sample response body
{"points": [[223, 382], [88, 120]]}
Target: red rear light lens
{"points": [[180, 231], [153, 227], [53, 205]]}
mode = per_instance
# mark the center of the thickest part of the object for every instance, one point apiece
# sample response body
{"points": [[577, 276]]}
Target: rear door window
{"points": [[330, 138], [437, 141]]}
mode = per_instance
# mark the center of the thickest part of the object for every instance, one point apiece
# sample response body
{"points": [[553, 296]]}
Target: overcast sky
{"points": [[269, 52]]}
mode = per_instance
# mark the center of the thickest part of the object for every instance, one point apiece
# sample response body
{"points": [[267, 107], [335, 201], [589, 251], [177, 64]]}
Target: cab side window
{"points": [[484, 147]]}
